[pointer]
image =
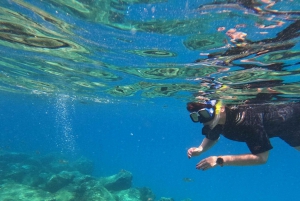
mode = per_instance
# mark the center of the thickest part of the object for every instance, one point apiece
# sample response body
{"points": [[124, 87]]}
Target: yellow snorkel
{"points": [[218, 107]]}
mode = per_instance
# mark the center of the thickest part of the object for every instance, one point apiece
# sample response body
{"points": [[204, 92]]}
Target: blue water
{"points": [[149, 140], [103, 96]]}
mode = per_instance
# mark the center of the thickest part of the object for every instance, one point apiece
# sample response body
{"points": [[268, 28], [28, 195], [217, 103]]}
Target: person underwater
{"points": [[253, 124]]}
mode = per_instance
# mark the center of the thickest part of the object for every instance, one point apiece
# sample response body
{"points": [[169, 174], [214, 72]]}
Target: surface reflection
{"points": [[114, 49]]}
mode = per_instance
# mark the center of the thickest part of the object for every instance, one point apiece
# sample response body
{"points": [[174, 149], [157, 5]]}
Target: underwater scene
{"points": [[94, 99]]}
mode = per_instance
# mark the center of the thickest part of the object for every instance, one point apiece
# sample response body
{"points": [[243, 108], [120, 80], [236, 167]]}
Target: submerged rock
{"points": [[56, 163], [81, 179], [135, 194], [131, 194], [98, 193], [18, 192], [59, 181], [53, 178], [65, 195], [146, 194], [22, 173], [166, 199], [12, 157], [118, 182], [84, 166]]}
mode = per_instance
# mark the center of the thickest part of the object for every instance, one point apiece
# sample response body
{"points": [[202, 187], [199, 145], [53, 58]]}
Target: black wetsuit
{"points": [[255, 124]]}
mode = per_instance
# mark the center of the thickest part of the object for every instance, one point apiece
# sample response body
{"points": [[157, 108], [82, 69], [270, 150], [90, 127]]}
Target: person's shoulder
{"points": [[237, 107]]}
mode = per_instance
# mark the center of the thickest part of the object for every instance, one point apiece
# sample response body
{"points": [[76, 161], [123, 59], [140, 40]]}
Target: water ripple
{"points": [[230, 50]]}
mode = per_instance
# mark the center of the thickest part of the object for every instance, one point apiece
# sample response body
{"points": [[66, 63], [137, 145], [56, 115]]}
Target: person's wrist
{"points": [[220, 161], [200, 149]]}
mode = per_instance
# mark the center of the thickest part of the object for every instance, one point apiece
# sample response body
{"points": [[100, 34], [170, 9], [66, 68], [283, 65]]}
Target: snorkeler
{"points": [[254, 124]]}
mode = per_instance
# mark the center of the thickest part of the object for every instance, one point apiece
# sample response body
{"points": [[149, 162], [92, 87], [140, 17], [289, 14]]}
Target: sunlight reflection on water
{"points": [[133, 49]]}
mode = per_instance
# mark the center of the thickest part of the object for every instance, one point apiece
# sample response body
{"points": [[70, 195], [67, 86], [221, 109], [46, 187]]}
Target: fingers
{"points": [[204, 168], [190, 152], [203, 165]]}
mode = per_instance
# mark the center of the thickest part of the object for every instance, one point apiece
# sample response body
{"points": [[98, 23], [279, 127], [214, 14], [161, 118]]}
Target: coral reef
{"points": [[166, 199], [53, 178]]}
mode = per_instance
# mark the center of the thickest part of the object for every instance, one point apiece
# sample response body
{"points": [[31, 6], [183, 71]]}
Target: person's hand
{"points": [[207, 163], [194, 151]]}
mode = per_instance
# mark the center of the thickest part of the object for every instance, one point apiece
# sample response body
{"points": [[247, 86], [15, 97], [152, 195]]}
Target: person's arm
{"points": [[234, 160], [204, 146]]}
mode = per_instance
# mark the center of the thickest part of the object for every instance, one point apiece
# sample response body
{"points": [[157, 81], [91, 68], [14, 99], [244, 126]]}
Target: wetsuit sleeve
{"points": [[212, 134], [258, 141]]}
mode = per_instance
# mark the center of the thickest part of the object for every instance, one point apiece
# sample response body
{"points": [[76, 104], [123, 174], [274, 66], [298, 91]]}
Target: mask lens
{"points": [[205, 114], [194, 117]]}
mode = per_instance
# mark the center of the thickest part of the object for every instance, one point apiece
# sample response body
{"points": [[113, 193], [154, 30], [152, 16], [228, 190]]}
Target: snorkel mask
{"points": [[205, 114]]}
